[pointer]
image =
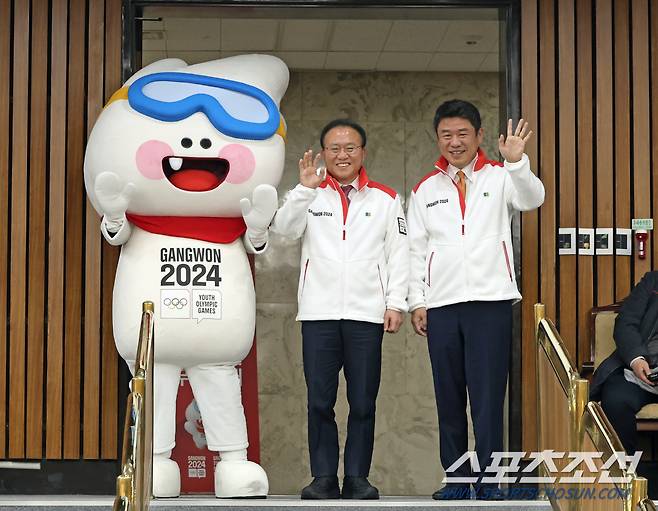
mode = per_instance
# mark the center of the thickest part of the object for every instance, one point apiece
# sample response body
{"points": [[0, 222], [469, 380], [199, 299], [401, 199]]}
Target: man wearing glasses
{"points": [[352, 288]]}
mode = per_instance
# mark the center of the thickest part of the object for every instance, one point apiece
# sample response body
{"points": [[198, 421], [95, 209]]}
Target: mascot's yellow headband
{"points": [[122, 94]]}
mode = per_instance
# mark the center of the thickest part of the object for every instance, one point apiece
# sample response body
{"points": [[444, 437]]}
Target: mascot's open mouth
{"points": [[195, 174]]}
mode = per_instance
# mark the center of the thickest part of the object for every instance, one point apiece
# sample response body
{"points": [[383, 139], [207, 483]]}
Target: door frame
{"points": [[510, 106]]}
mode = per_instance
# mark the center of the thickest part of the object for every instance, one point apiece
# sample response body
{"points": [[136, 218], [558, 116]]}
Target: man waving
{"points": [[462, 281]]}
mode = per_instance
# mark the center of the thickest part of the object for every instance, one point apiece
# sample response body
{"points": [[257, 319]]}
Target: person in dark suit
{"points": [[621, 382]]}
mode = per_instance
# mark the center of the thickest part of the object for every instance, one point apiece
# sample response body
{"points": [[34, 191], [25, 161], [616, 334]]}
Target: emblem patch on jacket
{"points": [[402, 226]]}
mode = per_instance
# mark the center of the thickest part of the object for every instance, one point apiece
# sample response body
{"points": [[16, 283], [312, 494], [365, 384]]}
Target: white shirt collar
{"points": [[468, 170], [354, 184]]}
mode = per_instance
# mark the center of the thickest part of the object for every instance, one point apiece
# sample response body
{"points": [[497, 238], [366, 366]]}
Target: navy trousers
{"points": [[356, 347], [621, 400], [469, 345]]}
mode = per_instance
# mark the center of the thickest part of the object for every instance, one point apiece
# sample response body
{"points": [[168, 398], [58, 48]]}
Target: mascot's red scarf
{"points": [[204, 228]]}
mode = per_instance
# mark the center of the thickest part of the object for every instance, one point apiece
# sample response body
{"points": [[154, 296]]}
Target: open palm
{"points": [[512, 147], [308, 170]]}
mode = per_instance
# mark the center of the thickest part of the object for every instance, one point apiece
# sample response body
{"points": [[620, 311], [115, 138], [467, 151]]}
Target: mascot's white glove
{"points": [[113, 199], [259, 212]]}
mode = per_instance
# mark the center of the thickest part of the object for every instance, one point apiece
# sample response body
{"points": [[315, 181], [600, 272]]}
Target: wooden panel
{"points": [[622, 136], [74, 229], [604, 146], [547, 163], [110, 376], [641, 133], [5, 35], [654, 112], [614, 121], [92, 333], [17, 268], [567, 166], [37, 228], [56, 213], [585, 162], [529, 227]]}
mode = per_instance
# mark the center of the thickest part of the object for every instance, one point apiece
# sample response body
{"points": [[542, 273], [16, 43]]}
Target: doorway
{"points": [[388, 67]]}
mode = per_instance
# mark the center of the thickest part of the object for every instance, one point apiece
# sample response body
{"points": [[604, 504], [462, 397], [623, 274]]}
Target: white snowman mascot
{"points": [[182, 165]]}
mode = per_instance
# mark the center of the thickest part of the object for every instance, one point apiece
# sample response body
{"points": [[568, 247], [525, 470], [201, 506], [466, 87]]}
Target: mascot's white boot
{"points": [[235, 476], [166, 476]]}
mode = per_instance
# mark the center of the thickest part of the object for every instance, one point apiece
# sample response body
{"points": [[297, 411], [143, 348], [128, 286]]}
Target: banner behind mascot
{"points": [[182, 165]]}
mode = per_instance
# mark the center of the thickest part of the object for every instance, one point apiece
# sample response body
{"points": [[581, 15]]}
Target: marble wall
{"points": [[396, 109]]}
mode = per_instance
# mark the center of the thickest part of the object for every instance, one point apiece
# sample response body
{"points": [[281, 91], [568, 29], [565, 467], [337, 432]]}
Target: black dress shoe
{"points": [[452, 493], [323, 487], [355, 487]]}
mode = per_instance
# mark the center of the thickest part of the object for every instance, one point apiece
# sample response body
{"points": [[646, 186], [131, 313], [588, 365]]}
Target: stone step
{"points": [[272, 503]]}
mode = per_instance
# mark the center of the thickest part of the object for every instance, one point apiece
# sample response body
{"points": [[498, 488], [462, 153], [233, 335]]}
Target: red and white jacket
{"points": [[461, 248], [355, 261]]}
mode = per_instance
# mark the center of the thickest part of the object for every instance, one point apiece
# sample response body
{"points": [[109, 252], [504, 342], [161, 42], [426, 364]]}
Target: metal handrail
{"points": [[585, 417], [134, 484], [646, 504], [606, 441], [576, 390]]}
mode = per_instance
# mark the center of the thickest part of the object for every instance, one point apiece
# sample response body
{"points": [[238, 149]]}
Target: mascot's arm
{"points": [[114, 235], [113, 198], [258, 213]]}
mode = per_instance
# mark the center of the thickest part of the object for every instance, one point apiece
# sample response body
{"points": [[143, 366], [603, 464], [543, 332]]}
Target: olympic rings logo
{"points": [[174, 303]]}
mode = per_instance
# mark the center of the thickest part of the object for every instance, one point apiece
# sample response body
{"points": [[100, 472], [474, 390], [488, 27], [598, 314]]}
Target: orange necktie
{"points": [[461, 183]]}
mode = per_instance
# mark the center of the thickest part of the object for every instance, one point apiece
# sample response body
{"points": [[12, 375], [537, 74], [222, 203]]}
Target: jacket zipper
{"points": [[462, 202], [304, 279], [509, 269], [343, 201], [429, 269]]}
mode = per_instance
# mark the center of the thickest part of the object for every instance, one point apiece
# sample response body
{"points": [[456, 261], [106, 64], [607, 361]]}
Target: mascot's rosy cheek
{"points": [[242, 163], [149, 158]]}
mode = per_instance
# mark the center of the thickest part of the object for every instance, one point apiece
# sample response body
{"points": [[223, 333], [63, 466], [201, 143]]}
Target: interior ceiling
{"points": [[369, 39]]}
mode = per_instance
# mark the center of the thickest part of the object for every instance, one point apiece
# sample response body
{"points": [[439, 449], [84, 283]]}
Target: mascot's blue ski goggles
{"points": [[236, 109]]}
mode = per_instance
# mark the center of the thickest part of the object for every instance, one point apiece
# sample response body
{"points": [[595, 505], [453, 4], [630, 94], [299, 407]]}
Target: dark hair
{"points": [[458, 108], [346, 123]]}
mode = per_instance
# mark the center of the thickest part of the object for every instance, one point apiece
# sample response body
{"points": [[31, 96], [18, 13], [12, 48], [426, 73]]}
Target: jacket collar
{"points": [[332, 183], [480, 161]]}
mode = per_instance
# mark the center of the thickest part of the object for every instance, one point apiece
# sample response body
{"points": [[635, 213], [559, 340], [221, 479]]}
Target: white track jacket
{"points": [[461, 250], [355, 261]]}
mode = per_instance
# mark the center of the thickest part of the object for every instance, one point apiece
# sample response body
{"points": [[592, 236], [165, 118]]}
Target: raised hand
{"points": [[308, 170], [513, 147], [259, 211], [113, 195]]}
